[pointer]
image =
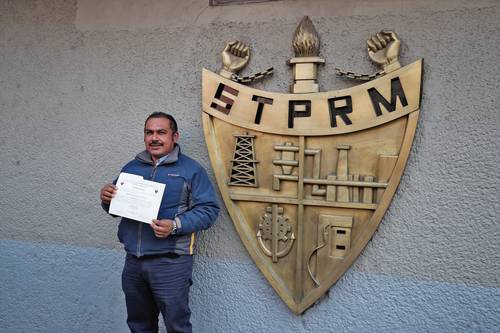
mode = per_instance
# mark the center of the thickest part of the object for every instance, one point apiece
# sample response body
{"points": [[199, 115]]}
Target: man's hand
{"points": [[383, 49], [162, 228], [235, 56], [108, 192]]}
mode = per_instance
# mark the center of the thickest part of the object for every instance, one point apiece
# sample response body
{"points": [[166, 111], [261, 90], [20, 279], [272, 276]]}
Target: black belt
{"points": [[170, 255]]}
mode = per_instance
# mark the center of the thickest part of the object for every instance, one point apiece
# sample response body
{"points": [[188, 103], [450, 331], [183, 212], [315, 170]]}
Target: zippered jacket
{"points": [[189, 196]]}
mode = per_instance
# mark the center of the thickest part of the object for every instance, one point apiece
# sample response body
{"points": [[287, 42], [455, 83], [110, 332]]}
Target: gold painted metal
{"points": [[307, 177], [275, 228], [305, 63], [235, 57], [244, 164], [383, 49], [334, 232]]}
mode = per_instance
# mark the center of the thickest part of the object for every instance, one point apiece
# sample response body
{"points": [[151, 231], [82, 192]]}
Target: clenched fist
{"points": [[235, 56], [383, 49]]}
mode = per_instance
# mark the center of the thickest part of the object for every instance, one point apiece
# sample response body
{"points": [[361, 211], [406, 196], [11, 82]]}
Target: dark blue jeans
{"points": [[154, 285]]}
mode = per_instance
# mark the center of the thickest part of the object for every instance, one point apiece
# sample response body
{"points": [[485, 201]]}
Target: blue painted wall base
{"points": [[49, 288]]}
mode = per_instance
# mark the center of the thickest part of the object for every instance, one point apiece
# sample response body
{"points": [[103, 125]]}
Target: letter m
{"points": [[378, 99]]}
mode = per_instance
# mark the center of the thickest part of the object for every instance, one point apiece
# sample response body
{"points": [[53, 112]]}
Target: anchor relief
{"points": [[273, 229]]}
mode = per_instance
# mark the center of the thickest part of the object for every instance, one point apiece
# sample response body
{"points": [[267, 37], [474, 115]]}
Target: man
{"points": [[158, 266]]}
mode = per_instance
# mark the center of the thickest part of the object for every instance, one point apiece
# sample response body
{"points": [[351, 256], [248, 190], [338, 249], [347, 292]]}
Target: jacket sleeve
{"points": [[105, 206], [203, 207]]}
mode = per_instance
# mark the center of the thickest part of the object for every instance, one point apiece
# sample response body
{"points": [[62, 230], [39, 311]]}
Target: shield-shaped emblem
{"points": [[308, 176]]}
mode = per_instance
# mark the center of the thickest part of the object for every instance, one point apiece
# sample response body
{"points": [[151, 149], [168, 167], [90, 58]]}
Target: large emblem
{"points": [[307, 176]]}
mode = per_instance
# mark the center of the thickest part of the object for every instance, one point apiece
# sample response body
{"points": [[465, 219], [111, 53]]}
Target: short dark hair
{"points": [[173, 123]]}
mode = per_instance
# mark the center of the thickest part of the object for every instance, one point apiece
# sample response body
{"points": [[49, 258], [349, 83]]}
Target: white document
{"points": [[136, 198]]}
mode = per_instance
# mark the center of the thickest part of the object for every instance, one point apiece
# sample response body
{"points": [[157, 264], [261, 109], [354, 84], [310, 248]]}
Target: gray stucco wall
{"points": [[77, 79]]}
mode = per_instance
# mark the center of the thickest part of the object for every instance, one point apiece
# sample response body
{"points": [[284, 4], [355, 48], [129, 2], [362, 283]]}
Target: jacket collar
{"points": [[172, 157]]}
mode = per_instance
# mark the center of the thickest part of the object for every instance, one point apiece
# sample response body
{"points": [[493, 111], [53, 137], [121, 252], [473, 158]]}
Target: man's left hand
{"points": [[162, 228]]}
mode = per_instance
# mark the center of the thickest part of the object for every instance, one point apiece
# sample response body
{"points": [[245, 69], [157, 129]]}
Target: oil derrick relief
{"points": [[244, 164]]}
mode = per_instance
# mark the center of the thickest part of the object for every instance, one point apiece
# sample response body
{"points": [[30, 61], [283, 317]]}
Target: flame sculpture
{"points": [[305, 64], [306, 39]]}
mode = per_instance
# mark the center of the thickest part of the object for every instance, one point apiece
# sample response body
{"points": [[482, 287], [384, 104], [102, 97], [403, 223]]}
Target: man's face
{"points": [[158, 137]]}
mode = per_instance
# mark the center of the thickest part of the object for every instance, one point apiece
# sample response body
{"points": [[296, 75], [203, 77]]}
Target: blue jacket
{"points": [[189, 195]]}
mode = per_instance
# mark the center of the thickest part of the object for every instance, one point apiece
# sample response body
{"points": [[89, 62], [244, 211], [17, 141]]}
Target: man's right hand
{"points": [[108, 192]]}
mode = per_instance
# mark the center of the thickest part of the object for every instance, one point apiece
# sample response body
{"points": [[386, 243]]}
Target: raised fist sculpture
{"points": [[235, 57], [383, 50]]}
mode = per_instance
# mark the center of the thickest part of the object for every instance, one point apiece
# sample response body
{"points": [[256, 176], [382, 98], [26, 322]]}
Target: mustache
{"points": [[155, 142]]}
